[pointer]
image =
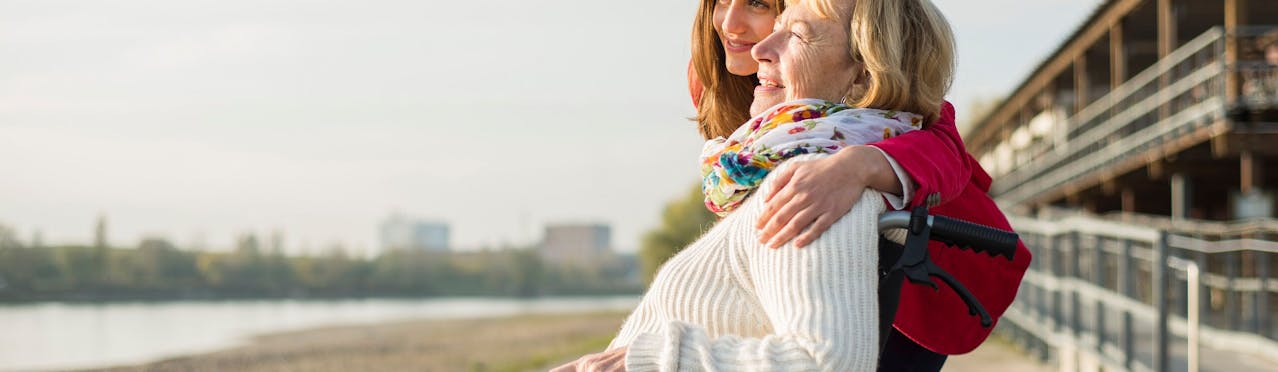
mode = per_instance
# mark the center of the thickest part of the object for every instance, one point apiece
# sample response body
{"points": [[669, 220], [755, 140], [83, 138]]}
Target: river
{"points": [[44, 336]]}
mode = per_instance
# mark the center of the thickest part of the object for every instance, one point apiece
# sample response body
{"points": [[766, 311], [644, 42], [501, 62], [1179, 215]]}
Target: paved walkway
{"points": [[995, 355]]}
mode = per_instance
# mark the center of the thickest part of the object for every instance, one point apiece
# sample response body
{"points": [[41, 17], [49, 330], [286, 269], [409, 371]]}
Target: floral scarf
{"points": [[733, 167]]}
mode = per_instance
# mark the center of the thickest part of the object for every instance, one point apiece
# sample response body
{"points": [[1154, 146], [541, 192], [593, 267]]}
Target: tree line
{"points": [[157, 269]]}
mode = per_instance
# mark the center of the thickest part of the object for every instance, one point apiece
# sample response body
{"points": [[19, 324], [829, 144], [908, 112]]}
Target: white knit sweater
{"points": [[729, 303]]}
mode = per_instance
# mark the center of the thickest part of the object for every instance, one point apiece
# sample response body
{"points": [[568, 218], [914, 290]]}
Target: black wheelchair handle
{"points": [[977, 237], [959, 233]]}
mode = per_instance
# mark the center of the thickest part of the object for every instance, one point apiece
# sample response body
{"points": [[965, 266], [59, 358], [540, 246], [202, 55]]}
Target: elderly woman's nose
{"points": [[766, 49]]}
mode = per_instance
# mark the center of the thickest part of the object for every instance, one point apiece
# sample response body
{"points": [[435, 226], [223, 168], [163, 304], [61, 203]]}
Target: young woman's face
{"points": [[806, 57], [741, 24]]}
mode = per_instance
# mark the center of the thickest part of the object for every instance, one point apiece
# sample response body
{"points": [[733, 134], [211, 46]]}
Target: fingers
{"points": [[782, 199], [608, 361], [792, 228], [615, 362], [778, 184], [778, 196], [814, 231], [781, 218], [587, 364]]}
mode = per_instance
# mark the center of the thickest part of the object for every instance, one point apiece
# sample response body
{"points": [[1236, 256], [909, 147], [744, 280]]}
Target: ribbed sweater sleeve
{"points": [[820, 301]]}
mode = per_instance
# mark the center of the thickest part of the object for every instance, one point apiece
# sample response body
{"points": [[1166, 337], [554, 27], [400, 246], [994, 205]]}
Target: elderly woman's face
{"points": [[806, 56]]}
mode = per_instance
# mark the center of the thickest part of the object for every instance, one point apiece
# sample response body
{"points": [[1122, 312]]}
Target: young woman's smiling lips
{"points": [[737, 46]]}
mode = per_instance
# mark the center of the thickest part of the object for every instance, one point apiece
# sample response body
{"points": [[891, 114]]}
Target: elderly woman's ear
{"points": [[859, 84]]}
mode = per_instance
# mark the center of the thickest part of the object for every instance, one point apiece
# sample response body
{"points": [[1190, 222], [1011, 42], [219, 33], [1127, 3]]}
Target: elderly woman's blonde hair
{"points": [[907, 48]]}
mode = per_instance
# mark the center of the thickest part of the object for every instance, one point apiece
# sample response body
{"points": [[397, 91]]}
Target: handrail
{"points": [[1137, 140], [1148, 76], [1113, 230], [1084, 225], [1078, 143], [1133, 85], [1180, 226], [1115, 123], [1052, 298]]}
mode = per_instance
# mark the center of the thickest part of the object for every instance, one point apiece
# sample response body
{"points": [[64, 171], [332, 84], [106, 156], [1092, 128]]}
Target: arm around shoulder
{"points": [[935, 158]]}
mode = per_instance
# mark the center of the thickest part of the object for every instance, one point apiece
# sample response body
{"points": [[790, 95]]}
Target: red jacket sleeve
{"points": [[935, 158]]}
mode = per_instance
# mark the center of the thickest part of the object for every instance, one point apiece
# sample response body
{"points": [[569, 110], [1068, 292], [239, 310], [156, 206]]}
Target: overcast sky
{"points": [[198, 120]]}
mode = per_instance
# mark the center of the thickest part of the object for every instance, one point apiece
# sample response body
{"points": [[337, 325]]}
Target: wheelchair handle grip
{"points": [[958, 233], [977, 237]]}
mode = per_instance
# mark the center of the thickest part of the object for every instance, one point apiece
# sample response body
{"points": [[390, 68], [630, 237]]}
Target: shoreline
{"points": [[513, 343], [111, 300], [78, 336]]}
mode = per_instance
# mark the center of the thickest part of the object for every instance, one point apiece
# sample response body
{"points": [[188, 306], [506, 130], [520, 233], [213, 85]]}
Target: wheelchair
{"points": [[910, 260]]}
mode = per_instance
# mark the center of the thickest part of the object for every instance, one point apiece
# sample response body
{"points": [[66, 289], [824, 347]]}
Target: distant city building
{"points": [[399, 232], [576, 244]]}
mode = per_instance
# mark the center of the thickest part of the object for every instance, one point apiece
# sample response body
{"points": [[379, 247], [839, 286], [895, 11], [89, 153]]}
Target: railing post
{"points": [[1126, 286], [1075, 302], [1233, 308], [1182, 287], [1098, 274], [1192, 337], [1262, 295], [1204, 307], [1057, 317], [1040, 293], [1159, 284]]}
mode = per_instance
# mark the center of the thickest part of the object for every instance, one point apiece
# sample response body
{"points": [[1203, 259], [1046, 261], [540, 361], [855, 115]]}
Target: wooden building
{"points": [[1162, 107]]}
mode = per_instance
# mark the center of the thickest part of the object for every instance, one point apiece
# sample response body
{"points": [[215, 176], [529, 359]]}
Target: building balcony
{"points": [[1216, 94]]}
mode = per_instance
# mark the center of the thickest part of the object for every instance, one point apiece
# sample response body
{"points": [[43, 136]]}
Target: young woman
{"points": [[726, 302]]}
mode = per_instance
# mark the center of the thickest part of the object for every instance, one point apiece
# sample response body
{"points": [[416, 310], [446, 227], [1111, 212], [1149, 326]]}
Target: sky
{"points": [[201, 120]]}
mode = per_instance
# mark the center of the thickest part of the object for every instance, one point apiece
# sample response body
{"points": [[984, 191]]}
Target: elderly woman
{"points": [[728, 302]]}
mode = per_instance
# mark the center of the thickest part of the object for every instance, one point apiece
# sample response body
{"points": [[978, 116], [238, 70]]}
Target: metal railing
{"points": [[1182, 92], [1236, 257], [1133, 297]]}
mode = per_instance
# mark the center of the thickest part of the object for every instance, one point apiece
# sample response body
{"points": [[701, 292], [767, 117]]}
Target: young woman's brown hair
{"points": [[725, 98]]}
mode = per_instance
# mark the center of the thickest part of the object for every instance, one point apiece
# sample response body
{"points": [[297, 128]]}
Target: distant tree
{"points": [[8, 238], [100, 262], [162, 267], [78, 268], [682, 222], [12, 262], [212, 268], [399, 272], [529, 272]]}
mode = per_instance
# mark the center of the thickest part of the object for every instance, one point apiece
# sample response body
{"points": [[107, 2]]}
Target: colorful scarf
{"points": [[733, 167]]}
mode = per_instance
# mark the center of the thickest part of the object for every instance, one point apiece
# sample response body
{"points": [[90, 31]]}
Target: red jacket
{"points": [[945, 174], [940, 165]]}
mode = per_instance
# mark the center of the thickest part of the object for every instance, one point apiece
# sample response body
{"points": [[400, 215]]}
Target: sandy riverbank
{"points": [[524, 343]]}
